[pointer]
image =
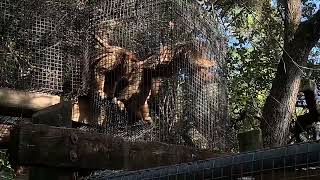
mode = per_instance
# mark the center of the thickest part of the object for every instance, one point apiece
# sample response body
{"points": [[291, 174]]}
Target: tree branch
{"points": [[308, 34]]}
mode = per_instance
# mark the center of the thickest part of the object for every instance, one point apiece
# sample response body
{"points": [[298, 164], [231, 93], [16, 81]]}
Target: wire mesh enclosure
{"points": [[299, 161], [160, 61], [42, 45], [141, 69]]}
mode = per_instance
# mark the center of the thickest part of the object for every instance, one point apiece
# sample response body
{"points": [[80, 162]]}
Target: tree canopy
{"points": [[258, 44]]}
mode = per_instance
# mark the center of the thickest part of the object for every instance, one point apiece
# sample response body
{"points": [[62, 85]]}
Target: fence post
{"points": [[250, 140]]}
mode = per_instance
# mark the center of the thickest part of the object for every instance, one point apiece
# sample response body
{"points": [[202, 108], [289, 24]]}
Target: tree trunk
{"points": [[299, 39], [280, 105]]}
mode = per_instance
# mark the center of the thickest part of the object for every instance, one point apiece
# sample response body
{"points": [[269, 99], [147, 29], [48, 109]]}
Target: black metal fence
{"points": [[299, 161]]}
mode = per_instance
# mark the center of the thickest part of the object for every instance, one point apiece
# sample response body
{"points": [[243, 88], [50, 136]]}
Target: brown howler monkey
{"points": [[152, 79], [202, 69], [135, 90], [119, 76], [123, 77], [112, 64]]}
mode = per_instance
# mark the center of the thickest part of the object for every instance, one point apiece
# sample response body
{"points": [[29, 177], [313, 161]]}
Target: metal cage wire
{"points": [[41, 45], [298, 161], [187, 109], [51, 46]]}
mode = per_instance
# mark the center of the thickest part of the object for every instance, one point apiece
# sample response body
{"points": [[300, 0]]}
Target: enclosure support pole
{"points": [[250, 140]]}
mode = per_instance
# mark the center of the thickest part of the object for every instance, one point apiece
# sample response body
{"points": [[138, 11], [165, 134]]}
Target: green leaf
{"points": [[250, 20]]}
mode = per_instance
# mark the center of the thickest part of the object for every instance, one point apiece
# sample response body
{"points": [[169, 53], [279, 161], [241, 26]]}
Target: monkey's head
{"points": [[204, 63], [202, 67]]}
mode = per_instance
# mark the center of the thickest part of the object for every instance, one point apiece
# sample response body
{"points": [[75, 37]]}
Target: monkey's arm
{"points": [[137, 104], [99, 83], [166, 55], [101, 42], [134, 85]]}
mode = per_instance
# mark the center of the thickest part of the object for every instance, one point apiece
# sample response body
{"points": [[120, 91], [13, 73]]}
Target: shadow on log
{"points": [[42, 145]]}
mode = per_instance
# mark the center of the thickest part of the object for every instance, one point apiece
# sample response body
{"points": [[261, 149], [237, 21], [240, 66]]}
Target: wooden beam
{"points": [[15, 111], [26, 100], [41, 145], [58, 115]]}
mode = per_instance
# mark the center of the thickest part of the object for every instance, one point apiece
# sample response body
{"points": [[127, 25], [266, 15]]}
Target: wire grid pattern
{"points": [[186, 110], [299, 161], [6, 124], [49, 59], [42, 46], [47, 45]]}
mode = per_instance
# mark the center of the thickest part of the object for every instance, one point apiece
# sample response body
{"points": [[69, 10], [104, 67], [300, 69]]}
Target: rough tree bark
{"points": [[299, 39]]}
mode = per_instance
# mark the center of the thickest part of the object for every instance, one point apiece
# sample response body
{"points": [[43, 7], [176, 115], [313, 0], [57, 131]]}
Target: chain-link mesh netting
{"points": [[299, 161], [42, 49], [42, 45], [154, 67], [156, 61]]}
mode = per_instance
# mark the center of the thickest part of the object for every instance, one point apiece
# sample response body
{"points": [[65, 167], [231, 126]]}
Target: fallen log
{"points": [[42, 145]]}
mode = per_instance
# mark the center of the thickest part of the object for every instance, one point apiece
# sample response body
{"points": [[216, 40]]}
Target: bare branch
{"points": [[308, 33]]}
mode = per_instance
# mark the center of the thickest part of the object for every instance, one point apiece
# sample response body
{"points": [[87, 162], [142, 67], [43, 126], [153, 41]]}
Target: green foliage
{"points": [[256, 37], [253, 57], [6, 172]]}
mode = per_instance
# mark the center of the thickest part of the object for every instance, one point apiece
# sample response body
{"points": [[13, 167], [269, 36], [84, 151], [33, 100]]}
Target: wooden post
{"points": [[250, 140], [57, 115]]}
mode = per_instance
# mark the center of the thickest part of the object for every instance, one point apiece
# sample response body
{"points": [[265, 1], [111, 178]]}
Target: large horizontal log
{"points": [[15, 111], [41, 145], [26, 100], [55, 115]]}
